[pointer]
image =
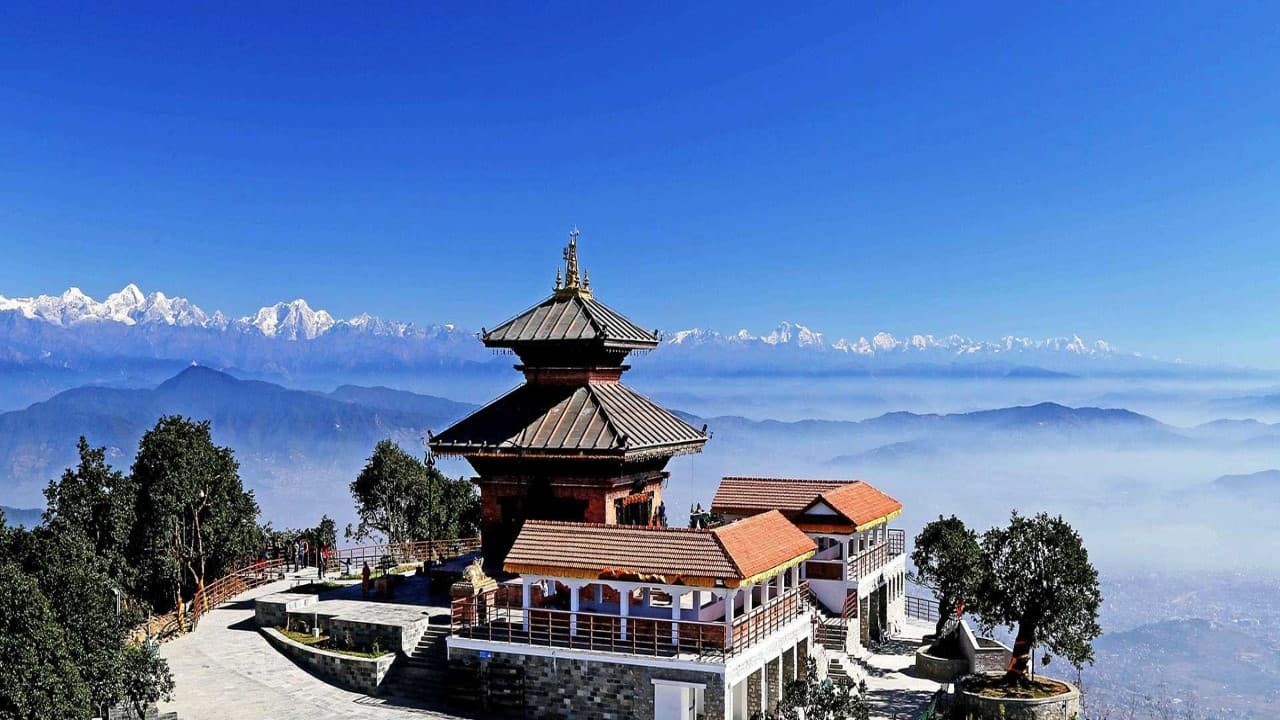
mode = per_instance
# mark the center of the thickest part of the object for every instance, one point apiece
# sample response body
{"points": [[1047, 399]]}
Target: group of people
{"points": [[298, 555]]}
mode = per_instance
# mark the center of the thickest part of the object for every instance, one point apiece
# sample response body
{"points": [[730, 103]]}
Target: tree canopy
{"points": [[194, 519], [1038, 575], [948, 560], [401, 498]]}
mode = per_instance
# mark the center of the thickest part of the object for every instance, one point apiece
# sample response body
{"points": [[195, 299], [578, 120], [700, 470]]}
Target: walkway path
{"points": [[225, 670], [892, 692]]}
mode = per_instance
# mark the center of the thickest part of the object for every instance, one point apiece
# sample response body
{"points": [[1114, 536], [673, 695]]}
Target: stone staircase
{"points": [[424, 673]]}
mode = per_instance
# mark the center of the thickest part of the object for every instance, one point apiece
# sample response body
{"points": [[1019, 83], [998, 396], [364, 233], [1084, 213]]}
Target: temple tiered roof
{"points": [[601, 419], [571, 317]]}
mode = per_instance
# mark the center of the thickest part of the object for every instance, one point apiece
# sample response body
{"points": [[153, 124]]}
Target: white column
{"points": [[526, 599], [844, 554], [750, 591], [624, 601], [729, 599], [675, 616], [782, 687], [599, 593], [575, 596]]}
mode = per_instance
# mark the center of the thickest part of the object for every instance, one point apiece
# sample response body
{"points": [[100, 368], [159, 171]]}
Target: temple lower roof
{"points": [[598, 419]]}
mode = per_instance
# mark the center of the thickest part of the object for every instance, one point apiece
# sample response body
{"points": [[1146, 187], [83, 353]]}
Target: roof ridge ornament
{"points": [[575, 284]]}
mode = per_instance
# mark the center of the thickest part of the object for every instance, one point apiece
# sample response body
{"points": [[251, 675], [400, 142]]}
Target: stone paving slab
{"points": [[892, 691], [225, 670]]}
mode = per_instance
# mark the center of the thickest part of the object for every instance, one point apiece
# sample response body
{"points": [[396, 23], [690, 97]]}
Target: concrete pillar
{"points": [[526, 599], [675, 616], [764, 687], [599, 593], [624, 601], [729, 601], [575, 601], [750, 591]]}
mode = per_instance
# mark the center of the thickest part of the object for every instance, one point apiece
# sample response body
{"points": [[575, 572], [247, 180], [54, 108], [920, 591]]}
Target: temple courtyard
{"points": [[227, 669]]}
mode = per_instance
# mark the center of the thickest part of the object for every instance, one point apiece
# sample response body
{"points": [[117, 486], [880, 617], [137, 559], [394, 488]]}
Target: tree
{"points": [[948, 560], [194, 519], [811, 699], [73, 581], [402, 499], [97, 500], [1038, 575], [40, 678]]}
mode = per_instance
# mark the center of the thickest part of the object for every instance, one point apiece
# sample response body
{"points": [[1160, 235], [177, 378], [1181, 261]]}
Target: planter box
{"points": [[1059, 707], [354, 673], [940, 669]]}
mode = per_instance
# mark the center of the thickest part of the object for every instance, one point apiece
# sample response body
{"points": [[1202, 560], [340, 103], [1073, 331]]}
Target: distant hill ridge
{"points": [[276, 432]]}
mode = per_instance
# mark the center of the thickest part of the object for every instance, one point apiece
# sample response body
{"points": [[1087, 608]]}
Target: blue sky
{"points": [[1112, 172]]}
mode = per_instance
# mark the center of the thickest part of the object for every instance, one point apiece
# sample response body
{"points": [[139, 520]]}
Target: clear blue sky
{"points": [[855, 166]]}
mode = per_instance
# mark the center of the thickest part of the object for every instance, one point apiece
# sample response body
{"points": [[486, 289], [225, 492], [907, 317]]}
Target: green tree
{"points": [[98, 501], [401, 498], [948, 561], [75, 584], [194, 519], [1038, 575], [813, 699], [40, 678]]}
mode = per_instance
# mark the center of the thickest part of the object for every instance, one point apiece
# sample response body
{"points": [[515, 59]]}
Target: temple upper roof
{"points": [[571, 315], [571, 318]]}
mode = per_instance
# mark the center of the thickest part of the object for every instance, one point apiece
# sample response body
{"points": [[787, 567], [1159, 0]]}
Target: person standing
{"points": [[302, 554], [365, 576]]}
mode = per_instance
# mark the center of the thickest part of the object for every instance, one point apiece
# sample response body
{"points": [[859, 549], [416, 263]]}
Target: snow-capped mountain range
{"points": [[51, 342], [883, 343], [297, 320]]}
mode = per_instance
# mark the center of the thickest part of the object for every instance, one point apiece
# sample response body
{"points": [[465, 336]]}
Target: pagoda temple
{"points": [[572, 443]]}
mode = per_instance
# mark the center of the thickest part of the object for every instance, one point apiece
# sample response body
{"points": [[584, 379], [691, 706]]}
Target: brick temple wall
{"points": [[589, 690]]}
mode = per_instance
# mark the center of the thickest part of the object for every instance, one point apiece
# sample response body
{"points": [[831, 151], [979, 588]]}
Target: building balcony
{"points": [[498, 616], [827, 565]]}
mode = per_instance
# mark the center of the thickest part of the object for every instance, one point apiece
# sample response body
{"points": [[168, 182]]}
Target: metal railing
{"points": [[389, 555], [489, 616], [878, 555], [922, 608], [211, 595]]}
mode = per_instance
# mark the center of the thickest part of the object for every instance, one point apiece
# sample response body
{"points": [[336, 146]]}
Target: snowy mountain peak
{"points": [[292, 320]]}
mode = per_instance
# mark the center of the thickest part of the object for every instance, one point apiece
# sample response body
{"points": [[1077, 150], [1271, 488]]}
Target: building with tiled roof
{"points": [[727, 556], [572, 443], [859, 571]]}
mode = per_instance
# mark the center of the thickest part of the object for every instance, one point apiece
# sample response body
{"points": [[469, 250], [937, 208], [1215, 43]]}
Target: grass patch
{"points": [[995, 686], [323, 643], [315, 588]]}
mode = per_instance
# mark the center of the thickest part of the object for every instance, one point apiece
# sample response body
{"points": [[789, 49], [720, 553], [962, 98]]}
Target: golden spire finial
{"points": [[559, 279], [573, 281]]}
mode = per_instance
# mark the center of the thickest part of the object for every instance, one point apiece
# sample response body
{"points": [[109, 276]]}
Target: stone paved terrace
{"points": [[892, 692], [225, 670]]}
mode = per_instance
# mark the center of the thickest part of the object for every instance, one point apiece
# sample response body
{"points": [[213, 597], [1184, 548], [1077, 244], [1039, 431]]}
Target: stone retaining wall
{"points": [[590, 690], [272, 610], [1059, 707], [940, 669], [354, 673]]}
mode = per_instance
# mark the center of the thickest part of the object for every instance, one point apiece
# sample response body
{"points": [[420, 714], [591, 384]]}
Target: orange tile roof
{"points": [[752, 495], [857, 503], [860, 502], [763, 542], [732, 554]]}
